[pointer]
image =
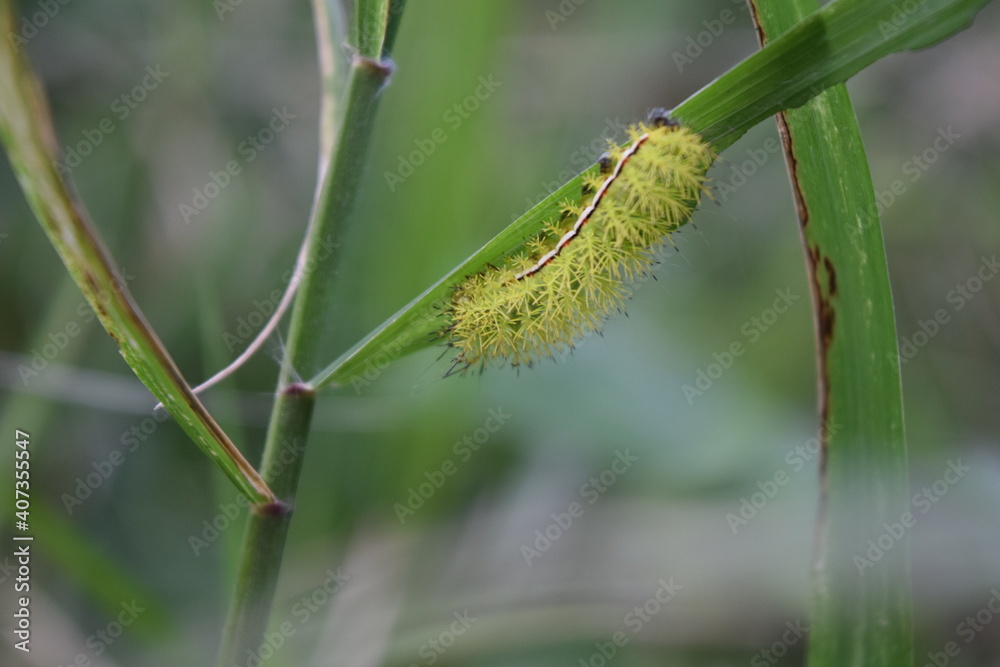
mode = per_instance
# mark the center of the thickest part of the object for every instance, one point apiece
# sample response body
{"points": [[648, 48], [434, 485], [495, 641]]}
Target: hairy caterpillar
{"points": [[577, 272]]}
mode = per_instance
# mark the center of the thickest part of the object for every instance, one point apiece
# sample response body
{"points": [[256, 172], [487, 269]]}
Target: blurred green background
{"points": [[488, 467]]}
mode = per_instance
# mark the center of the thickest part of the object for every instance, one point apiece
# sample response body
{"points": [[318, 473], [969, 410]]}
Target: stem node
{"points": [[277, 509]]}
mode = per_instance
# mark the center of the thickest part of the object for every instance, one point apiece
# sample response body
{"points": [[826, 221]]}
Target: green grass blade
{"points": [[105, 581], [392, 23], [26, 132], [861, 614], [822, 50], [376, 23]]}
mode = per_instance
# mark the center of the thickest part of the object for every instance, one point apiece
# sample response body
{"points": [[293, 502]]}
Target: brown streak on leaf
{"points": [[823, 310], [831, 276], [757, 24], [793, 165]]}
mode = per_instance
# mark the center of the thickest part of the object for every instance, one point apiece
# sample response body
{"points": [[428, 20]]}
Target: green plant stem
{"points": [[313, 317], [860, 611], [267, 528], [314, 314]]}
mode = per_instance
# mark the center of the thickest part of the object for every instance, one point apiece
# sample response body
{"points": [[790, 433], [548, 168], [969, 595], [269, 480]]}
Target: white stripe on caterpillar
{"points": [[587, 212]]}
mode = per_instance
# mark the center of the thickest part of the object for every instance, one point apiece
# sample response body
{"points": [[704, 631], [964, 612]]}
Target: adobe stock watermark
{"points": [[912, 169], [562, 12], [796, 460], [632, 624], [957, 299], [223, 7], [453, 117], [901, 13], [752, 331], [697, 44], [248, 150], [102, 638], [916, 167], [741, 171], [435, 647], [590, 492], [7, 569], [102, 470], [462, 450], [580, 159], [308, 605], [304, 609], [967, 630], [794, 633], [32, 24], [229, 512], [921, 503], [372, 33], [391, 351], [121, 108], [248, 325], [376, 365], [59, 340]]}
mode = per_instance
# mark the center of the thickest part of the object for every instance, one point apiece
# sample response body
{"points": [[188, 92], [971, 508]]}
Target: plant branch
{"points": [[313, 317]]}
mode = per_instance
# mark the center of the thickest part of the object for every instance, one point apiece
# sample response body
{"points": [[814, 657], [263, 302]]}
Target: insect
{"points": [[579, 270]]}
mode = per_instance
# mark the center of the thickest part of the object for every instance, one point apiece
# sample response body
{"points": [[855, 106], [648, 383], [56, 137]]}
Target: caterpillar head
{"points": [[660, 117]]}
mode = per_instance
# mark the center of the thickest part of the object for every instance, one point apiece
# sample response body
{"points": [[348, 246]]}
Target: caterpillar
{"points": [[578, 271]]}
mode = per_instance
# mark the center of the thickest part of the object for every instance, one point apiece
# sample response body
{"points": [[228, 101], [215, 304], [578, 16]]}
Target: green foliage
{"points": [[822, 50], [427, 491]]}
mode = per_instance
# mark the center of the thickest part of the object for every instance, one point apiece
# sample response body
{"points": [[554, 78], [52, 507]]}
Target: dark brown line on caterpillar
{"points": [[587, 213]]}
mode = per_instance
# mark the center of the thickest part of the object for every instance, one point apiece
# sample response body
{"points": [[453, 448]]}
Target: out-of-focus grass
{"points": [[42, 170], [667, 515]]}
